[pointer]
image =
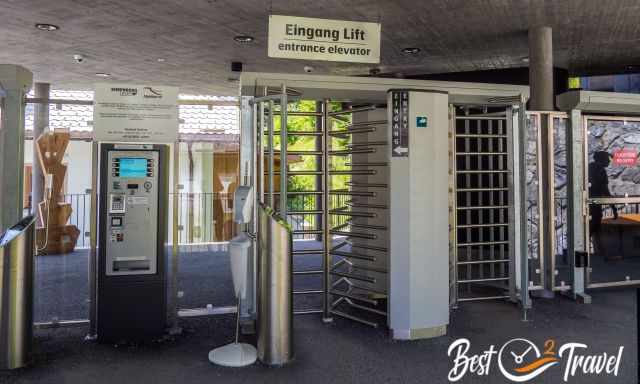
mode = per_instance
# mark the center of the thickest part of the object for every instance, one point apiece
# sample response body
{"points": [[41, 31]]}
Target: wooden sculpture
{"points": [[54, 236]]}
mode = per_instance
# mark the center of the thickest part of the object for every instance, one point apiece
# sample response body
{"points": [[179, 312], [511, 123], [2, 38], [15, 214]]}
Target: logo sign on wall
{"points": [[322, 39], [625, 157], [135, 113]]}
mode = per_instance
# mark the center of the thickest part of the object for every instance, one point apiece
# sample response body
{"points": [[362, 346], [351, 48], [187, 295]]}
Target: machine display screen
{"points": [[133, 167]]}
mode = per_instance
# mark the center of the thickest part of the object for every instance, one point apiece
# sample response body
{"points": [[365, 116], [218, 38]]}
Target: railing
{"points": [[198, 214]]}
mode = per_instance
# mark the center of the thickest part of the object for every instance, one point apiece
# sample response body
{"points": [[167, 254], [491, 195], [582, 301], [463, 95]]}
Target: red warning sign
{"points": [[625, 157]]}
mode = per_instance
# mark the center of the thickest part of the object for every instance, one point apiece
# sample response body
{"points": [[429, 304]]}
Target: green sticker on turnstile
{"points": [[421, 122]]}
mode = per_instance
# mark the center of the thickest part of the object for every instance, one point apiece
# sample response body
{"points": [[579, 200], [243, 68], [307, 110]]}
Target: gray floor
{"points": [[343, 352]]}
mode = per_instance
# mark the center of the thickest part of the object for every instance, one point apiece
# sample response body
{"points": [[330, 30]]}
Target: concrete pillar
{"points": [[40, 125], [541, 69], [15, 82]]}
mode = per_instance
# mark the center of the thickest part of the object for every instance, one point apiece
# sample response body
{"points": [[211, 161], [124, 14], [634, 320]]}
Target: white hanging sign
{"points": [[323, 39], [135, 113]]}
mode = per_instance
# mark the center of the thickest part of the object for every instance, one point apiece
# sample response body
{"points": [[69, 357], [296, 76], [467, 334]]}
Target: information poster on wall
{"points": [[135, 113], [323, 39]]}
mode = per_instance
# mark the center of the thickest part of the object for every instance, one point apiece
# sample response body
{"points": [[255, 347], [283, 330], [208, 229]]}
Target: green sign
{"points": [[422, 122]]}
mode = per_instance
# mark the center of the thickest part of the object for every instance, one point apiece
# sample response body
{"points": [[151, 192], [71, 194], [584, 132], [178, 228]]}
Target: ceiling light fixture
{"points": [[161, 60], [243, 39], [411, 50], [47, 27], [525, 59], [103, 74]]}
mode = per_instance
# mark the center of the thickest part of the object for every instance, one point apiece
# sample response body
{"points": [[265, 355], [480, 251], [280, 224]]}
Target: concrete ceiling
{"points": [[195, 37]]}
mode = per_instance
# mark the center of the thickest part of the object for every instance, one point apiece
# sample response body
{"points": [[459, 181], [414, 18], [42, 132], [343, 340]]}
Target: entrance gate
{"points": [[484, 249], [340, 252], [338, 213]]}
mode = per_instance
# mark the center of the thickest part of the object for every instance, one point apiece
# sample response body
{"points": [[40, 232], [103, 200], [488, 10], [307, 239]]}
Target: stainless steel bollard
{"points": [[275, 296], [17, 251]]}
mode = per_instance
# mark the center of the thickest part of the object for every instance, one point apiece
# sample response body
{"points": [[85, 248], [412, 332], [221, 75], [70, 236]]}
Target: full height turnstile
{"points": [[483, 206], [489, 250], [335, 272], [341, 228]]}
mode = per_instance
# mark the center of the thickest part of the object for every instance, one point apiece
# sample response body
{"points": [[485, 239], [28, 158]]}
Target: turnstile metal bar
{"points": [[338, 212], [365, 308], [484, 298], [352, 110], [271, 154], [305, 153], [307, 311], [355, 204], [300, 133], [309, 292], [483, 262], [368, 143], [296, 193], [353, 276], [347, 192], [295, 213], [340, 245], [348, 295], [309, 272], [297, 173], [482, 154], [366, 185], [308, 252], [365, 123], [299, 113], [369, 269], [326, 240], [358, 235], [370, 247], [308, 232], [351, 131], [354, 172], [368, 226], [351, 151], [483, 280], [366, 289], [353, 255]]}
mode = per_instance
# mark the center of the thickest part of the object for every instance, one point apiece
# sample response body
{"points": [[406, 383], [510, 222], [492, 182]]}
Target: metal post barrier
{"points": [[17, 249], [275, 294]]}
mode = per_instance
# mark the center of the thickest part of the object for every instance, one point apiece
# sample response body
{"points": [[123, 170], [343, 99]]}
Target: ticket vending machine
{"points": [[132, 232]]}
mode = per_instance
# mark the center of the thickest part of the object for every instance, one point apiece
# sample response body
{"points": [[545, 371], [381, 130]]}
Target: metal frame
{"points": [[546, 199], [589, 284], [504, 136]]}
